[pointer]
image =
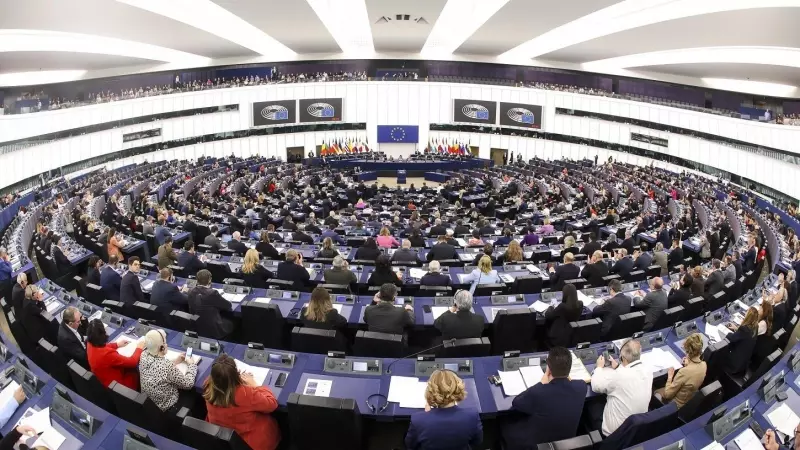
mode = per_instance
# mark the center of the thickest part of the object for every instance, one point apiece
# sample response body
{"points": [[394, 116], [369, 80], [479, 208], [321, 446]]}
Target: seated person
{"points": [[161, 380], [681, 294], [207, 304], [558, 318], [596, 270], [742, 343], [234, 400], [624, 264], [567, 271], [383, 273], [405, 253], [488, 250], [130, 289], [266, 249], [166, 295], [110, 279], [320, 313], [369, 251], [386, 240], [689, 379], [547, 411], [71, 338], [444, 424], [434, 277], [189, 261], [301, 236], [293, 270], [239, 248], [642, 259], [106, 363], [93, 270], [327, 250], [513, 254], [616, 305], [441, 250], [483, 274], [253, 273], [459, 322], [382, 316], [340, 273]]}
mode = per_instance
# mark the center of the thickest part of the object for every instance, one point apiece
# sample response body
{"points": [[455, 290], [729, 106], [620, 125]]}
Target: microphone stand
{"points": [[389, 367]]}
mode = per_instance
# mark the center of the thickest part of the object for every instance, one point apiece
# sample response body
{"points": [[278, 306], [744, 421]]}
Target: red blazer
{"points": [[108, 365], [250, 417]]}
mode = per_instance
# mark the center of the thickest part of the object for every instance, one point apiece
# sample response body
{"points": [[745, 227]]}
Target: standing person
{"points": [[235, 401], [653, 303], [166, 255], [444, 424], [208, 304], [569, 310]]}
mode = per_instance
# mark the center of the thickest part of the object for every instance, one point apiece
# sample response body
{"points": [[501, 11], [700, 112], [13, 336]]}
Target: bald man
{"points": [[405, 253], [236, 244], [595, 270], [653, 304]]}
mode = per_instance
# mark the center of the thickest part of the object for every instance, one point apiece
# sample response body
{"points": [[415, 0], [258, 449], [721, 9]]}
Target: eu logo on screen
{"points": [[327, 112], [527, 118], [282, 115], [483, 115]]}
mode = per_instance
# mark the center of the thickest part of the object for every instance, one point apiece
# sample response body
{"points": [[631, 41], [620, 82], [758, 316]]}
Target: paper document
{"points": [[461, 277], [461, 242], [540, 306], [495, 311], [409, 392], [747, 440], [713, 446], [263, 300], [578, 370], [417, 273], [319, 388], [259, 373], [183, 367], [532, 375], [52, 306], [438, 311], [234, 298], [659, 360], [531, 268], [585, 298], [97, 314], [784, 419], [39, 421], [512, 382], [129, 349], [148, 284], [51, 439]]}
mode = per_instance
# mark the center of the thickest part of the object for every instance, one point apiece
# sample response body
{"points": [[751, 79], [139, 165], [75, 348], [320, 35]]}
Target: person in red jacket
{"points": [[235, 401], [106, 363]]}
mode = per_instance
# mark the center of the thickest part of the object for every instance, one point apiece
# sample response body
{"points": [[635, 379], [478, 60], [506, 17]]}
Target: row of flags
{"points": [[443, 146], [341, 147]]}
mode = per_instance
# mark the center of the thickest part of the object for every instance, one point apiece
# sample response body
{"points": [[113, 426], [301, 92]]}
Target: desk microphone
{"points": [[389, 367]]}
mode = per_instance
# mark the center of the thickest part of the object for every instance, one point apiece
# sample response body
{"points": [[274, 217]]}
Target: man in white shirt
{"points": [[628, 385]]}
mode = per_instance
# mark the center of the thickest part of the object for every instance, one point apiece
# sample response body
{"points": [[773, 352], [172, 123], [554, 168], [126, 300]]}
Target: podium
{"points": [[401, 177]]}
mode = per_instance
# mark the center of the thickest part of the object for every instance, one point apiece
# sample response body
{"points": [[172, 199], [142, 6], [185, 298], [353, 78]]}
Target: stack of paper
{"points": [[8, 392], [539, 306], [318, 388], [129, 349], [517, 381], [531, 268], [234, 298], [713, 446], [438, 311], [495, 311], [747, 440], [50, 439], [263, 300], [578, 370], [52, 306], [147, 284], [409, 392], [417, 273], [585, 298], [659, 360], [172, 355], [259, 373], [784, 419], [716, 333]]}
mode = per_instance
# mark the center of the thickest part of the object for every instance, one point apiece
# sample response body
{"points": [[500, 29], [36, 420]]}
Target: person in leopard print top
{"points": [[161, 379]]}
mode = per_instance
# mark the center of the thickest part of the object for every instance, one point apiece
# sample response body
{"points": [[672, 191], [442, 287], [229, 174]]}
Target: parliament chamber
{"points": [[234, 253]]}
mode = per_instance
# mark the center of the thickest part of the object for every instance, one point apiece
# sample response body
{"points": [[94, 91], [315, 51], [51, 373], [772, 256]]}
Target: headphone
{"points": [[381, 408], [163, 346]]}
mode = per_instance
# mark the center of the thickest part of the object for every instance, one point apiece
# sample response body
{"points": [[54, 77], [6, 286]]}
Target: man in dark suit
{"points": [[737, 264], [292, 269], [780, 316], [130, 290], [642, 259], [405, 253], [612, 308], [624, 265], [110, 280], [71, 336], [461, 229], [653, 303], [331, 233], [189, 261], [663, 235], [591, 246], [715, 281], [548, 411], [434, 277], [190, 226], [63, 264], [442, 250], [165, 295], [459, 322], [564, 272], [675, 257], [301, 236], [18, 293], [629, 243], [162, 231], [207, 303], [237, 245], [437, 229], [749, 257], [212, 241], [793, 290], [681, 293], [382, 316], [35, 324], [595, 270]]}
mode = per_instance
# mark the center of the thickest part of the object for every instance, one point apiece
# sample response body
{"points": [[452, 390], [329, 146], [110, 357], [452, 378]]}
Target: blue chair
{"points": [[642, 427]]}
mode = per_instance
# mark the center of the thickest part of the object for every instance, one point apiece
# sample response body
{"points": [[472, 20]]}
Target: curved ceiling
{"points": [[195, 33]]}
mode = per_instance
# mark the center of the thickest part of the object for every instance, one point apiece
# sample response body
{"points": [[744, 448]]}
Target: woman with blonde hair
{"points": [[483, 274], [328, 250], [682, 386], [386, 240], [765, 319], [320, 313], [444, 424], [253, 273], [513, 253]]}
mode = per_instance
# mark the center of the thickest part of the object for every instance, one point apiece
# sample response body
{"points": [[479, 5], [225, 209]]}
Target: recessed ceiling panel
{"points": [[391, 33], [36, 61]]}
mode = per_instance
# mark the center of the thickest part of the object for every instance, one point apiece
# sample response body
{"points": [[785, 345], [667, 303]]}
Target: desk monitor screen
{"points": [[287, 294], [453, 367], [29, 379], [205, 346], [141, 437], [81, 419], [274, 358], [359, 366], [512, 298], [341, 299]]}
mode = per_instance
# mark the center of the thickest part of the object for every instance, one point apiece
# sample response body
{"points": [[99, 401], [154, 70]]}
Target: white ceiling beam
{"points": [[627, 15], [774, 56], [40, 77], [459, 20], [757, 87], [348, 22], [208, 16]]}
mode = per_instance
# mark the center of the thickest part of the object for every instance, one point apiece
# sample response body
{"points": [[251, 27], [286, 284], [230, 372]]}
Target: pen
{"points": [[269, 379]]}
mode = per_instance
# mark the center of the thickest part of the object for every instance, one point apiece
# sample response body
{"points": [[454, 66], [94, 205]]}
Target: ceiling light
{"points": [[775, 56], [752, 87], [458, 21], [627, 15], [347, 22], [212, 18], [40, 77], [56, 41]]}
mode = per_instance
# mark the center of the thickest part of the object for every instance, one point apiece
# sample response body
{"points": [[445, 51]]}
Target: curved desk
{"points": [[413, 168]]}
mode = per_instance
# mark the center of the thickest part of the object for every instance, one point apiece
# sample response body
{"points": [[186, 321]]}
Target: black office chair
{"points": [[733, 384], [374, 344], [53, 361], [151, 313], [337, 421], [654, 271], [89, 387], [583, 442], [466, 348], [765, 345], [783, 338], [694, 308], [94, 294], [138, 409], [702, 402], [24, 342], [312, 340], [669, 317], [484, 290], [626, 325], [715, 355], [277, 283], [262, 323], [527, 284], [219, 271], [203, 435], [639, 428], [636, 275], [433, 291], [716, 301], [337, 288], [513, 329], [607, 279], [586, 331], [183, 321]]}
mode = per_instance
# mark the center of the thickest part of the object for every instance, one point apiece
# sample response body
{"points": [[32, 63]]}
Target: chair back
{"points": [[183, 321], [583, 442], [379, 345], [203, 435], [466, 348], [586, 331], [262, 323], [703, 401], [513, 329], [337, 420], [312, 340], [626, 325], [669, 317], [638, 428], [52, 360], [89, 387]]}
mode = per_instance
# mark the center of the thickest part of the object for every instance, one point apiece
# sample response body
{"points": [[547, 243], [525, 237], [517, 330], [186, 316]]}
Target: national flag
{"points": [[440, 149], [366, 148], [323, 149]]}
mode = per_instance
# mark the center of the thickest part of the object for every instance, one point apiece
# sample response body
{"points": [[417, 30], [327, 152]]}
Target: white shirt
{"points": [[628, 390]]}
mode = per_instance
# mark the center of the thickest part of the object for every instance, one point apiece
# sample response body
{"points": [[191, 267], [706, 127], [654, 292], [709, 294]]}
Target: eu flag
{"points": [[398, 134]]}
